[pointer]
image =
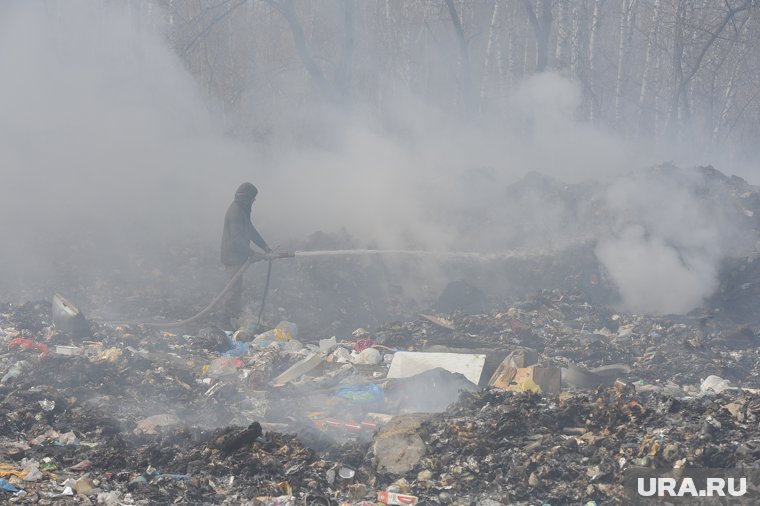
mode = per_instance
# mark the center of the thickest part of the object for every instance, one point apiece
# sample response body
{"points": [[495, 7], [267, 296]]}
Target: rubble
{"points": [[460, 407], [397, 446], [141, 417]]}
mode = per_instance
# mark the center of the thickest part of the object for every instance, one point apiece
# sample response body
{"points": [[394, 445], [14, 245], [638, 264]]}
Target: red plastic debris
{"points": [[517, 325], [85, 464], [363, 344], [28, 344]]}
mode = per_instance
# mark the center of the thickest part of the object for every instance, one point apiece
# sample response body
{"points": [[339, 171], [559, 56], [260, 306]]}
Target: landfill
{"points": [[548, 397]]}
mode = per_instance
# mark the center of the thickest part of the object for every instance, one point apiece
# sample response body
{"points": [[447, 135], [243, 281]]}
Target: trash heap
{"points": [[519, 385], [559, 398]]}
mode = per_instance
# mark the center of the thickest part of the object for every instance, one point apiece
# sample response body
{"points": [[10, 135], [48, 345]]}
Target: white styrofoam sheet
{"points": [[409, 363]]}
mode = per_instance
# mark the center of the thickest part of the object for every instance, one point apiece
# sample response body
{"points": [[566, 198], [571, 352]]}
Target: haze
{"points": [[127, 125]]}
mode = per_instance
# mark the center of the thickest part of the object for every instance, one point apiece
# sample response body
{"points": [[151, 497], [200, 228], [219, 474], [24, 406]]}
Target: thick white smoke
{"points": [[672, 230], [108, 147]]}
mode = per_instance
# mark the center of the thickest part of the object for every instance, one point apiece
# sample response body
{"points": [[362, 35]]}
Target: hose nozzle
{"points": [[282, 254]]}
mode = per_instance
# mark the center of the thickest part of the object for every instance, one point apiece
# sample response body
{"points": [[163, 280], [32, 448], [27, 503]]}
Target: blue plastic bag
{"points": [[7, 486], [361, 393]]}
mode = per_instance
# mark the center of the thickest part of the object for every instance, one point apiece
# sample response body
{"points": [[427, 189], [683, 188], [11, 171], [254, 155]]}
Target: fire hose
{"points": [[269, 257], [68, 318]]}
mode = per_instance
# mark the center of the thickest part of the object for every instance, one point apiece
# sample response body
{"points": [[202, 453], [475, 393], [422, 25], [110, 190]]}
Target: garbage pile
{"points": [[559, 398], [540, 393]]}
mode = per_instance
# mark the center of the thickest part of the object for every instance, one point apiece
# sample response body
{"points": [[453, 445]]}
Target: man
{"points": [[236, 246]]}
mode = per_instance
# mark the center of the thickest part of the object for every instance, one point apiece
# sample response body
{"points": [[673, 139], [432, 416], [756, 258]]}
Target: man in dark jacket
{"points": [[236, 245]]}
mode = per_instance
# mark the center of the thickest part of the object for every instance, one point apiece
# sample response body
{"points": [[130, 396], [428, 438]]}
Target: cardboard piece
{"points": [[506, 371], [298, 369], [548, 379], [438, 320], [411, 363]]}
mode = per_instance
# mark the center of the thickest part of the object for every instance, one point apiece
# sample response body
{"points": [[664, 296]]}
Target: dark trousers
{"points": [[233, 301]]}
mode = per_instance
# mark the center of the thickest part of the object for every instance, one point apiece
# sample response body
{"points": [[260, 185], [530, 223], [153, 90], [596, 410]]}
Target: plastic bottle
{"points": [[284, 331]]}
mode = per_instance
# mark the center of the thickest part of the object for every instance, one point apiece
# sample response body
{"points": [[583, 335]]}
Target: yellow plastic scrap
{"points": [[7, 470], [655, 448], [528, 385], [643, 448], [111, 355]]}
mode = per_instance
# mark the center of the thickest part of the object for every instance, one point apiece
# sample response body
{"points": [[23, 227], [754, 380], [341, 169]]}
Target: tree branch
{"points": [[285, 7], [213, 22]]}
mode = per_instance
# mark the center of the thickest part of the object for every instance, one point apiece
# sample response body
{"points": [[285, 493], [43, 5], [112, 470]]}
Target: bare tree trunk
{"points": [[511, 47], [468, 91], [593, 113], [728, 102], [648, 62], [627, 8], [492, 42], [729, 94], [579, 35], [683, 80], [541, 29], [526, 48], [201, 35], [387, 41], [344, 71], [286, 8], [657, 130], [563, 20], [678, 56]]}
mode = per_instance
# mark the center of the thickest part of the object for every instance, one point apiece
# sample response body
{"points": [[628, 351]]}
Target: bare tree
{"points": [[579, 39], [649, 61], [468, 91], [541, 30], [490, 46], [727, 98], [595, 21], [662, 64], [564, 20], [338, 89], [682, 78], [627, 13]]}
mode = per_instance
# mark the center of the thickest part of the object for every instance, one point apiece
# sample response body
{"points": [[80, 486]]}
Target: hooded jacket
{"points": [[238, 230]]}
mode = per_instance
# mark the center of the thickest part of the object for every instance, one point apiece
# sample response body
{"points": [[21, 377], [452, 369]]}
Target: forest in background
{"points": [[681, 72]]}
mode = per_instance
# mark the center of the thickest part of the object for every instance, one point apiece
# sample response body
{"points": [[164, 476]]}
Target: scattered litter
{"points": [[407, 364], [298, 369]]}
